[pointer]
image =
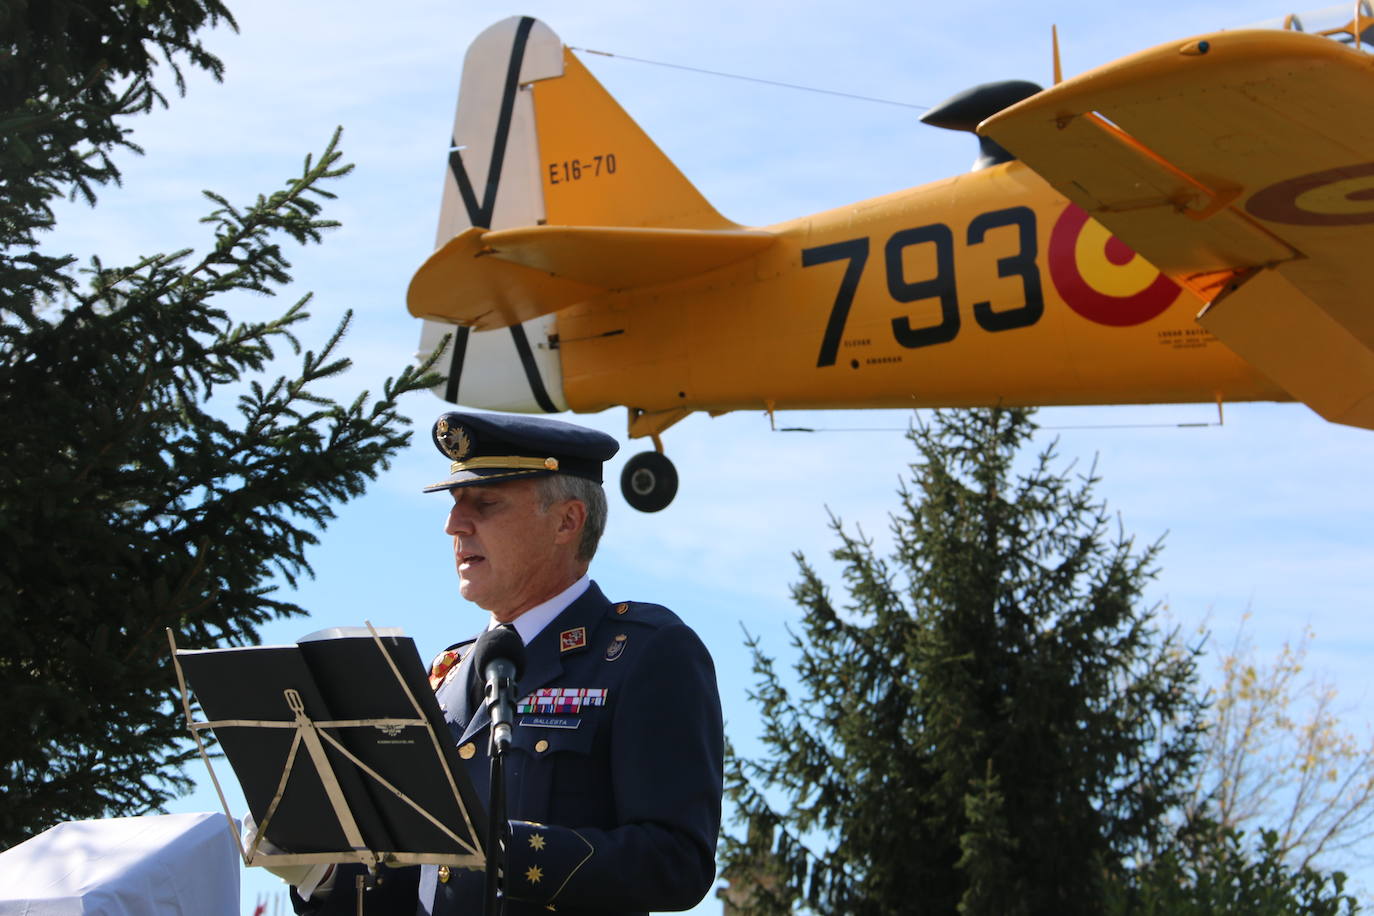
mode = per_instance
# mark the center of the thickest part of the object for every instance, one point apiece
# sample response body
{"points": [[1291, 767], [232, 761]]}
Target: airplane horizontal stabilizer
{"points": [[1222, 159], [459, 284], [621, 258], [486, 280]]}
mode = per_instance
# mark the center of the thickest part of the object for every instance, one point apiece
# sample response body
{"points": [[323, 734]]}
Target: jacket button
{"points": [[443, 874], [541, 747], [467, 751]]}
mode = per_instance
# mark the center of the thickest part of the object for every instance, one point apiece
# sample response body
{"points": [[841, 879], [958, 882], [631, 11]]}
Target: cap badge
{"points": [[454, 440], [570, 640], [617, 646]]}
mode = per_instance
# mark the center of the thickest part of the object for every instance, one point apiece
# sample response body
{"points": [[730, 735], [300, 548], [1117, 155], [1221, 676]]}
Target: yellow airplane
{"points": [[578, 269]]}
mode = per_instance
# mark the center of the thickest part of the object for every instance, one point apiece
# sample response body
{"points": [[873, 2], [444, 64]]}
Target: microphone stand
{"points": [[499, 658], [496, 822], [498, 741]]}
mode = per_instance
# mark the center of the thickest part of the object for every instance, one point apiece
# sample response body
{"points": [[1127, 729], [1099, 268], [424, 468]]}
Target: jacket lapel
{"points": [[454, 696], [543, 656]]}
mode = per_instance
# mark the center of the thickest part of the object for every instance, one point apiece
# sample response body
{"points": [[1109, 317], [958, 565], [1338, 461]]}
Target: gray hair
{"points": [[555, 488]]}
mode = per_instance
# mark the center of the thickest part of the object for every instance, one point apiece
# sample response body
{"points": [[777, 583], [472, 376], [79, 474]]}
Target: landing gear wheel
{"points": [[649, 481]]}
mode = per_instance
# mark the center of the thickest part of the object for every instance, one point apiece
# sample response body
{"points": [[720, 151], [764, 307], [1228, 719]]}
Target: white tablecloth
{"points": [[131, 866]]}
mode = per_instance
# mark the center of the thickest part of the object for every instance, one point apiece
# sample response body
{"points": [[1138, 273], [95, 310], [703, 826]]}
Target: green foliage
{"points": [[70, 72], [990, 724], [130, 501], [1211, 871]]}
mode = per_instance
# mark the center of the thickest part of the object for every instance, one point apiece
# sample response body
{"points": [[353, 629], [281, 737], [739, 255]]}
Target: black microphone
{"points": [[500, 659]]}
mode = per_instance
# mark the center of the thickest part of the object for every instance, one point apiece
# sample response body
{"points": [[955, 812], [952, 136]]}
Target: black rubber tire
{"points": [[648, 481]]}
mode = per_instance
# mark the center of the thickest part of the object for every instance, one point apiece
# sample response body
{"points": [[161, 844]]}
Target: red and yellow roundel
{"points": [[1333, 197], [1100, 277]]}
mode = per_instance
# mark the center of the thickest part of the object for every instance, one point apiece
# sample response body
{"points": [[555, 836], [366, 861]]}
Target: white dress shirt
{"points": [[530, 623]]}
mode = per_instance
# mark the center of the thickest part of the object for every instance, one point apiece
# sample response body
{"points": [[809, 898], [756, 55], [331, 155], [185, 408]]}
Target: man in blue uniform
{"points": [[615, 771]]}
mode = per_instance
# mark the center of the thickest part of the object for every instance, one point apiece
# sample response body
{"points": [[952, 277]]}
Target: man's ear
{"points": [[572, 517]]}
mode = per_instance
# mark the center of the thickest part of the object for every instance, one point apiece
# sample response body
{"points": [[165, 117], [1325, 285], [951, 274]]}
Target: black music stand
{"points": [[379, 783]]}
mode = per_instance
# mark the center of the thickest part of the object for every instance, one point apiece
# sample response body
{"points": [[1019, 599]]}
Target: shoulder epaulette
{"points": [[654, 615]]}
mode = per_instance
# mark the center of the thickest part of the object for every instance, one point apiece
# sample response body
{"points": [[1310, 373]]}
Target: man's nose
{"points": [[457, 521]]}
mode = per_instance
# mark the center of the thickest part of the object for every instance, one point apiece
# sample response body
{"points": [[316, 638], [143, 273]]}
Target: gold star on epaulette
{"points": [[533, 874], [536, 841]]}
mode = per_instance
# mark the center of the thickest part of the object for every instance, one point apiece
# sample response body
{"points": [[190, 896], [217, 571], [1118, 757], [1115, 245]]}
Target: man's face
{"points": [[512, 554]]}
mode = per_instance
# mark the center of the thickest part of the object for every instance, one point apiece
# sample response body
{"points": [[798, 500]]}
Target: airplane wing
{"points": [[491, 279], [1242, 165]]}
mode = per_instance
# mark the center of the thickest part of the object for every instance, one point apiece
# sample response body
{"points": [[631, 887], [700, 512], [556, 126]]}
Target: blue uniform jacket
{"points": [[615, 809]]}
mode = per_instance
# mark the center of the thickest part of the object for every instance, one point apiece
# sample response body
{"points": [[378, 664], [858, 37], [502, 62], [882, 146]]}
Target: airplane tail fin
{"points": [[538, 142]]}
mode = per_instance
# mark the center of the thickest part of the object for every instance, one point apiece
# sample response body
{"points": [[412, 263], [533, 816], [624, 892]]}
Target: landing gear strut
{"points": [[649, 481]]}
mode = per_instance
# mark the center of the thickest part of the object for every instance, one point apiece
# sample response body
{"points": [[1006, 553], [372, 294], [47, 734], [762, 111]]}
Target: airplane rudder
{"points": [[491, 178], [514, 369], [492, 181]]}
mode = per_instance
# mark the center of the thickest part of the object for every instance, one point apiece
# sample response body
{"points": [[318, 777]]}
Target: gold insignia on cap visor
{"points": [[452, 439], [509, 463]]}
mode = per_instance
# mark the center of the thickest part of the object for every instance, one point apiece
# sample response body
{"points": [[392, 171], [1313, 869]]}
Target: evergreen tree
{"points": [[70, 75], [129, 501], [991, 723]]}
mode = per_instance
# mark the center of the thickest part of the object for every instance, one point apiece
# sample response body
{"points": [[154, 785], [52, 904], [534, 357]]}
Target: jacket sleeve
{"points": [[667, 757], [393, 894]]}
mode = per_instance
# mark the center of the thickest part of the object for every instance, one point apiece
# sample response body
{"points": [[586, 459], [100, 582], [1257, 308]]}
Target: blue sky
{"points": [[1268, 514]]}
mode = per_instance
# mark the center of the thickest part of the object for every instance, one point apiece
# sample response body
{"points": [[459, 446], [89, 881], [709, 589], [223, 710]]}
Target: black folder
{"points": [[369, 694]]}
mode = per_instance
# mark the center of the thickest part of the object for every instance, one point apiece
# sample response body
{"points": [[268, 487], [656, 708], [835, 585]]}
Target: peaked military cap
{"points": [[491, 447]]}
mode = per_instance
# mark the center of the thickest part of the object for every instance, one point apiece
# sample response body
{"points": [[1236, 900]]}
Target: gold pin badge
{"points": [[468, 751]]}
